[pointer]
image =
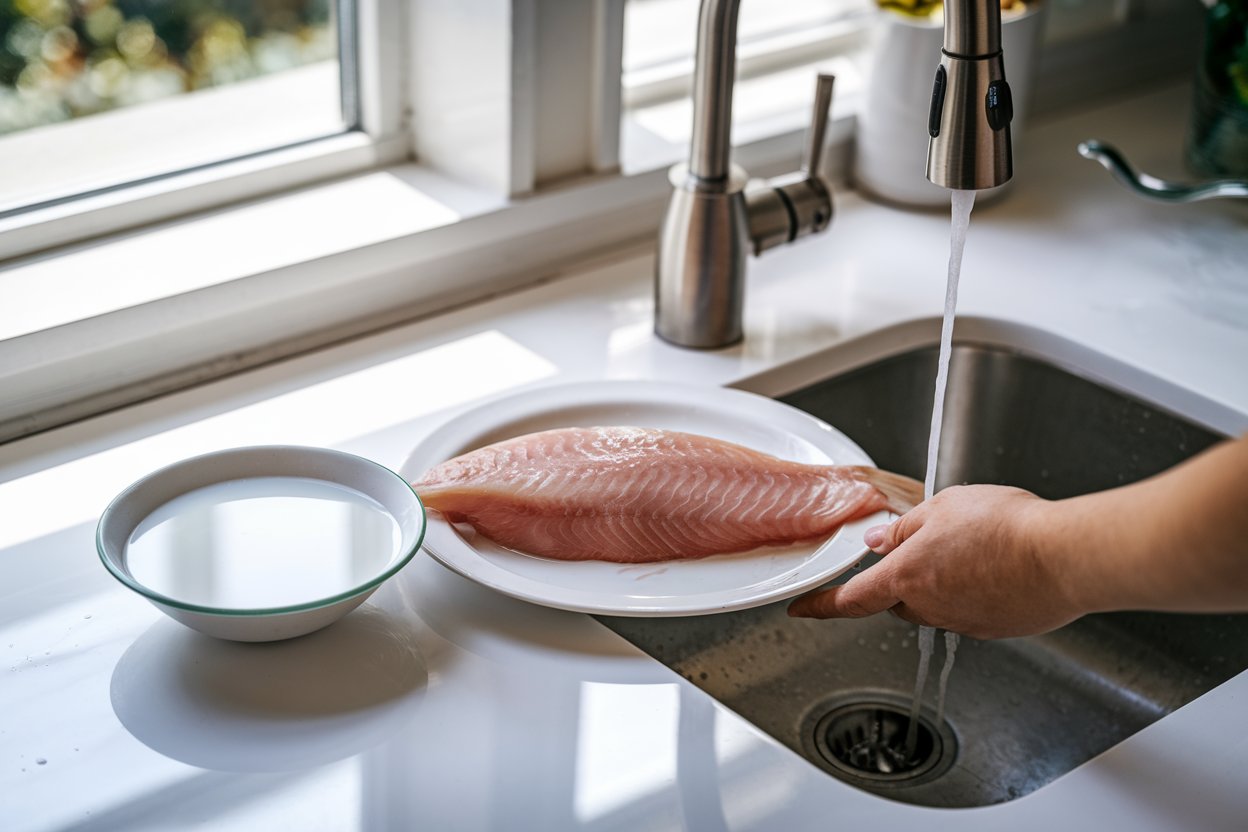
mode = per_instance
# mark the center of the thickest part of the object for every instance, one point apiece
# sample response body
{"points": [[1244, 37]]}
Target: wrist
{"points": [[1061, 537]]}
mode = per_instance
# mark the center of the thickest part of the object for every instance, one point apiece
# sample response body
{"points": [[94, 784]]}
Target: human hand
{"points": [[981, 560]]}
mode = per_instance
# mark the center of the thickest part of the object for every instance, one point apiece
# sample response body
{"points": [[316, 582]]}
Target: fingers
{"points": [[872, 591], [864, 595]]}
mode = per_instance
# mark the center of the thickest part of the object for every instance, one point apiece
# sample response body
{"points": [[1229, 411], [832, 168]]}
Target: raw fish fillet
{"points": [[636, 495]]}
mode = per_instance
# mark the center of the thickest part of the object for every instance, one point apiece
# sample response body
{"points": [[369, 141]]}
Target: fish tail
{"points": [[901, 492]]}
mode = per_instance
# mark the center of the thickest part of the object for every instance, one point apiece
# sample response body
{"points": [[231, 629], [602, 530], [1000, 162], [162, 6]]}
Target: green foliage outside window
{"points": [[62, 59]]}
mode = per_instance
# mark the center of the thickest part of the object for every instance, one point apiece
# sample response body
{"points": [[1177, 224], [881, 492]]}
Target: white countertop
{"points": [[442, 705]]}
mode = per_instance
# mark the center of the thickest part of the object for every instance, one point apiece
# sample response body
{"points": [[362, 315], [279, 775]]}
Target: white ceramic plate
{"points": [[719, 583]]}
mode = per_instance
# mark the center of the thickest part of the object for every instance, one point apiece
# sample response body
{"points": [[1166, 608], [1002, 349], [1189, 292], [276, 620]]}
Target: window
{"points": [[99, 93], [497, 100]]}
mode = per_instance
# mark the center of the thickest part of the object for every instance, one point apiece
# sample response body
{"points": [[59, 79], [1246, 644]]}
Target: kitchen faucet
{"points": [[714, 215]]}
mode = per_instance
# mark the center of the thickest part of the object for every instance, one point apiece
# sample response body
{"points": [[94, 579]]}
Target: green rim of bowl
{"points": [[372, 583]]}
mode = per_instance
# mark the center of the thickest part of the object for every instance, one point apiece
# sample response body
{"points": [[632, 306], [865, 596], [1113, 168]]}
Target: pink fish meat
{"points": [[637, 495]]}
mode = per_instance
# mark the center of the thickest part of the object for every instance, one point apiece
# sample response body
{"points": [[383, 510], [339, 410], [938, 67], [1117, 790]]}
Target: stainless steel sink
{"points": [[1020, 712]]}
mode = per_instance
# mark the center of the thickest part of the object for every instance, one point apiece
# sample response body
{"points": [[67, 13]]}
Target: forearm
{"points": [[1177, 541]]}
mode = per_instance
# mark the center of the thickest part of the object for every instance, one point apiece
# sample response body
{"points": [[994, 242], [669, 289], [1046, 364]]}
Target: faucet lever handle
{"points": [[813, 156], [795, 204]]}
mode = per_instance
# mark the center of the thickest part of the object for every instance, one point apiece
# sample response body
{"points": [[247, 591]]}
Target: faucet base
{"points": [[700, 269]]}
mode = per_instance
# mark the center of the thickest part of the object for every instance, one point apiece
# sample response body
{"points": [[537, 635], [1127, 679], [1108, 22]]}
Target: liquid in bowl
{"points": [[262, 542]]}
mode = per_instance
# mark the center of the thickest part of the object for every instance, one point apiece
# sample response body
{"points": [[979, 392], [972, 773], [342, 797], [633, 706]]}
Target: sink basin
{"points": [[1020, 712]]}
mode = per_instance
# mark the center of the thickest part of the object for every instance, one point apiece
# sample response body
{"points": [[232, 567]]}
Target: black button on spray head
{"points": [[938, 103], [1000, 105]]}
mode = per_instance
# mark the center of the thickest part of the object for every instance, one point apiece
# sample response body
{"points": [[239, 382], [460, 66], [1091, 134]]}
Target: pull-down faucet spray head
{"points": [[969, 120]]}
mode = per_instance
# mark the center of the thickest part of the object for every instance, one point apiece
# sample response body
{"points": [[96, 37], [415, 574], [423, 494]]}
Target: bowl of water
{"points": [[262, 543]]}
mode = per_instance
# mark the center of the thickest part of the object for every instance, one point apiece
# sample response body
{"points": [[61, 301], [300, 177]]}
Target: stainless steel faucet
{"points": [[714, 215]]}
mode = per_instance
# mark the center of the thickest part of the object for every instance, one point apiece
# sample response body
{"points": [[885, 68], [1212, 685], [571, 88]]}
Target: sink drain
{"points": [[866, 741]]}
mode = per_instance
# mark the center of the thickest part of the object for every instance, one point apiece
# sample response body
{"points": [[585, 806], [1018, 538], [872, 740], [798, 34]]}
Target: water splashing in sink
{"points": [[962, 203], [951, 649], [927, 637]]}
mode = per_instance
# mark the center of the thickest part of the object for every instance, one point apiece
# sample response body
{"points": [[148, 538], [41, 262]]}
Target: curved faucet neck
{"points": [[715, 68]]}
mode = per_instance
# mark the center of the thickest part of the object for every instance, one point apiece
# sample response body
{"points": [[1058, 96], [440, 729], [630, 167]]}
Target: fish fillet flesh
{"points": [[639, 495]]}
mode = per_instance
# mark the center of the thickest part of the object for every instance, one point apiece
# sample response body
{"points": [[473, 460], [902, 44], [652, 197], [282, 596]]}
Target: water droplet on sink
{"points": [[862, 642], [905, 642], [883, 646]]}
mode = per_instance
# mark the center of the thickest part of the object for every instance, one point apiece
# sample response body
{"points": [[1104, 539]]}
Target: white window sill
{"points": [[249, 240], [135, 315]]}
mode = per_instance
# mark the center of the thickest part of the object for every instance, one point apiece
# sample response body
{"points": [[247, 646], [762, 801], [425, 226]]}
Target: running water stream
{"points": [[962, 202]]}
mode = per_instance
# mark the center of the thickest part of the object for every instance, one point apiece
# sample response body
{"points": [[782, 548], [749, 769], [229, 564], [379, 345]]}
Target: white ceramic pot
{"points": [[890, 156]]}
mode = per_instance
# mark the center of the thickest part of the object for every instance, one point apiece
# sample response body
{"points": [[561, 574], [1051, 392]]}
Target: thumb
{"points": [[884, 539]]}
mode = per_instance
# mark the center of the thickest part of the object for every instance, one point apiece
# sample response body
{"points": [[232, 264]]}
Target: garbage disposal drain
{"points": [[866, 740]]}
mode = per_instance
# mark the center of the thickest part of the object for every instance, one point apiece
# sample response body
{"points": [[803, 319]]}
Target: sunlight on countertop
{"points": [[401, 389]]}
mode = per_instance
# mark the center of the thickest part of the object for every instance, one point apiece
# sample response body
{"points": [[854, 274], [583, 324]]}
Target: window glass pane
{"points": [[657, 32], [95, 93]]}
